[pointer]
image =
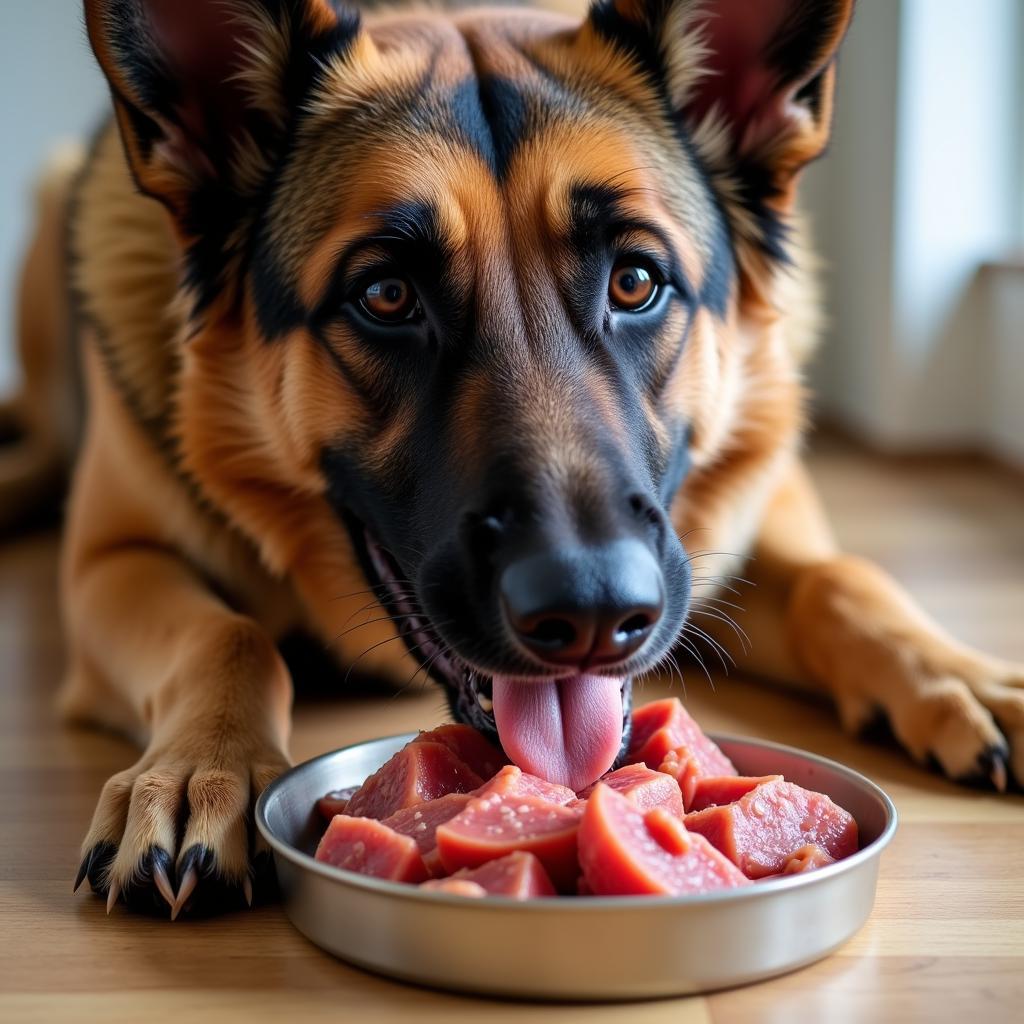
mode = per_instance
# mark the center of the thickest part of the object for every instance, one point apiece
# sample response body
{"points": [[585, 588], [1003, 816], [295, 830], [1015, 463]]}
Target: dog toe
{"points": [[1005, 702], [95, 865], [990, 770], [169, 836], [205, 888], [150, 888]]}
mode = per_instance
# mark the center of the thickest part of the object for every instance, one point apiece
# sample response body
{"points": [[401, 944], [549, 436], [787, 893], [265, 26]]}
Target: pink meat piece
{"points": [[468, 746], [724, 789], [513, 781], [644, 787], [419, 771], [762, 830], [335, 802], [421, 820], [624, 851], [807, 858], [663, 728], [493, 826], [369, 847], [520, 876]]}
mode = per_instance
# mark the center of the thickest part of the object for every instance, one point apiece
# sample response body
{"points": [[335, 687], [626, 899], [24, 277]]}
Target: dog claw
{"points": [[188, 884], [247, 889], [112, 895], [994, 761], [163, 883], [83, 870]]}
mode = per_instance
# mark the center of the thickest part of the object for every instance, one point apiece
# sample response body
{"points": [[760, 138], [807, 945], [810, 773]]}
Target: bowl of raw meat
{"points": [[701, 863]]}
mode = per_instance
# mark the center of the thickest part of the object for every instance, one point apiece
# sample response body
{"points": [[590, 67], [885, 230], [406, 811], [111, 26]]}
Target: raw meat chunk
{"points": [[725, 789], [644, 787], [493, 826], [624, 851], [807, 858], [468, 746], [761, 831], [454, 886], [418, 772], [335, 802], [513, 781], [370, 848], [420, 822], [519, 875], [664, 727]]}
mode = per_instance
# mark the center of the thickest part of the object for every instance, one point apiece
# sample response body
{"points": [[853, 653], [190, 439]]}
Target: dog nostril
{"points": [[633, 626], [553, 633], [644, 509]]}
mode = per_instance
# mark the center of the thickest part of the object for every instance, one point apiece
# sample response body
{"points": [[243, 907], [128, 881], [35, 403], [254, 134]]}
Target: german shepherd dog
{"points": [[469, 319]]}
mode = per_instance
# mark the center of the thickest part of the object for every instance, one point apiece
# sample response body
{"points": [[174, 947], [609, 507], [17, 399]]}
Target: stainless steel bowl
{"points": [[586, 948]]}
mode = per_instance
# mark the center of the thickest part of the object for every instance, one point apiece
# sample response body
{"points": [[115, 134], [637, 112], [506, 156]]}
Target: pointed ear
{"points": [[203, 89], [752, 80]]}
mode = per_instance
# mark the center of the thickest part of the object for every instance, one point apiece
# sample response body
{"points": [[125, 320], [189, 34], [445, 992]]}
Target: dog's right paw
{"points": [[175, 831]]}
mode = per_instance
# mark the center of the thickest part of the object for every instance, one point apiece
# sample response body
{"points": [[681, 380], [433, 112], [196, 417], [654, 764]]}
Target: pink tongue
{"points": [[564, 730]]}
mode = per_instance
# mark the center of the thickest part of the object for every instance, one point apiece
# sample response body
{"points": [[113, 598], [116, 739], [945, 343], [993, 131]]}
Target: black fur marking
{"points": [[277, 304], [141, 893], [96, 863], [639, 40], [678, 465], [810, 95], [213, 894], [719, 270], [758, 188], [215, 211], [504, 120]]}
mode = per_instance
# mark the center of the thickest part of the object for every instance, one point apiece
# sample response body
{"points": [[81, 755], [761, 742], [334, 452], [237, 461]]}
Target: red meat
{"points": [[761, 831], [644, 787], [468, 746], [663, 728], [493, 826], [419, 771], [624, 851], [421, 820], [724, 789], [513, 781], [519, 875], [370, 848]]}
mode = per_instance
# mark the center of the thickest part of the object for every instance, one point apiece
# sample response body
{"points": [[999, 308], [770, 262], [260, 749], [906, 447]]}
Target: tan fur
{"points": [[198, 531]]}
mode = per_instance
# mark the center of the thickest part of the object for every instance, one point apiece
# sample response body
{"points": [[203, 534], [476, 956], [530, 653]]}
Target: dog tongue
{"points": [[564, 730]]}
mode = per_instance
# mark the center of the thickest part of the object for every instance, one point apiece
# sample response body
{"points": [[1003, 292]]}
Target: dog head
{"points": [[470, 296]]}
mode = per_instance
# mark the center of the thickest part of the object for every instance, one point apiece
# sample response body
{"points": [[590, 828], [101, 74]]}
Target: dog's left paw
{"points": [[965, 713], [880, 657]]}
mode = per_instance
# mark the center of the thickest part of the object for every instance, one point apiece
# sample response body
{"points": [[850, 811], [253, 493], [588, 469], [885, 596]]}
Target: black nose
{"points": [[584, 606]]}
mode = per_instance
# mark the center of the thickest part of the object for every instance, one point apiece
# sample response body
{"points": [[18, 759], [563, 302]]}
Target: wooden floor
{"points": [[945, 942]]}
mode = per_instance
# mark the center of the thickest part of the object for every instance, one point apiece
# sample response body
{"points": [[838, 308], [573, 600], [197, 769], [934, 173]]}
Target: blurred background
{"points": [[918, 209]]}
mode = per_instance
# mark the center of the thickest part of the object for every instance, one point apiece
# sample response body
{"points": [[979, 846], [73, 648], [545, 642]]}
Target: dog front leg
{"points": [[836, 623], [154, 651]]}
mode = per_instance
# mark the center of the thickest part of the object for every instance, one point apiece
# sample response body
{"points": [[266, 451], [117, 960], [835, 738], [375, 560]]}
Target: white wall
{"points": [[922, 186], [50, 89]]}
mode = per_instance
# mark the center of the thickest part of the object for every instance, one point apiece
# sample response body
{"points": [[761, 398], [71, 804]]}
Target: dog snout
{"points": [[583, 606]]}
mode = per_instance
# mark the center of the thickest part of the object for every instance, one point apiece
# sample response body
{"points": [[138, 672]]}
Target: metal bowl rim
{"points": [[574, 904]]}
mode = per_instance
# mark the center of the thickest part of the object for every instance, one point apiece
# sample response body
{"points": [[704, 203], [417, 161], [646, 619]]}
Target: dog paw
{"points": [[880, 657], [961, 717], [174, 832]]}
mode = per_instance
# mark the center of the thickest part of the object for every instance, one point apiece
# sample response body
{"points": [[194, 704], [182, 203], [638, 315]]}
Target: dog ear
{"points": [[759, 74], [203, 89], [753, 82]]}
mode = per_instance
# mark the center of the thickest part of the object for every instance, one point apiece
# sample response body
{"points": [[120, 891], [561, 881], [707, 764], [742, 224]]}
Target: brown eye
{"points": [[631, 287], [391, 299]]}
